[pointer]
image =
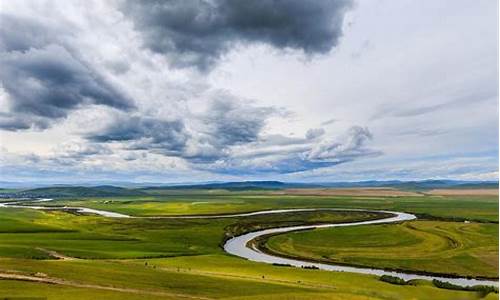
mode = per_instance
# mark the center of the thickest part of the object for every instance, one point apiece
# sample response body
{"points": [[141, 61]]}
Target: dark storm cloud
{"points": [[166, 137], [199, 32], [45, 80]]}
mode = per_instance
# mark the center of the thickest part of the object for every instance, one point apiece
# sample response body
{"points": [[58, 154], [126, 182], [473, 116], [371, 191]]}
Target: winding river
{"points": [[240, 245]]}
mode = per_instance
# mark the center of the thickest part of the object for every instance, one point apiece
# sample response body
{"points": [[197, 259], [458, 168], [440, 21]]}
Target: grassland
{"points": [[30, 233], [65, 256], [202, 277], [473, 208], [425, 246]]}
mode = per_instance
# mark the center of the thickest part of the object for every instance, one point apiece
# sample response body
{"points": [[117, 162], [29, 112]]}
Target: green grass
{"points": [[11, 289], [183, 256], [478, 208], [213, 276], [23, 232], [428, 246]]}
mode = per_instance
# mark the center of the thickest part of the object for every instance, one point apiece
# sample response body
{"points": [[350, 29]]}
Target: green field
{"points": [[67, 256], [477, 208], [427, 246], [24, 233]]}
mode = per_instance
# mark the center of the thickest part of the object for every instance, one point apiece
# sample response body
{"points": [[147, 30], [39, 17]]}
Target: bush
{"points": [[393, 280], [481, 289], [281, 265], [447, 285], [310, 267]]}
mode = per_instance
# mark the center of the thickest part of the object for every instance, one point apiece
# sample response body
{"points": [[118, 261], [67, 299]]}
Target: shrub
{"points": [[281, 265], [393, 280], [310, 267], [483, 290]]}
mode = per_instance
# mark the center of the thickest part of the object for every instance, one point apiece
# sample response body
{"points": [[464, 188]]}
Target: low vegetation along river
{"points": [[242, 245]]}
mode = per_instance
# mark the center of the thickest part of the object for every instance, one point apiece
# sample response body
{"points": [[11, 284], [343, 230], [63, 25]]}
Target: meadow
{"points": [[457, 207], [423, 246], [59, 255]]}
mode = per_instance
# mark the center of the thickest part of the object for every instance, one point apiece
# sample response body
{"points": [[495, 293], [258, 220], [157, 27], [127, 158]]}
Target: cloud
{"points": [[74, 153], [329, 122], [44, 79], [228, 136], [451, 100], [229, 121], [352, 147], [49, 74], [122, 75], [296, 155], [314, 133], [71, 153], [386, 168], [140, 132], [21, 34], [203, 137], [198, 32], [265, 165]]}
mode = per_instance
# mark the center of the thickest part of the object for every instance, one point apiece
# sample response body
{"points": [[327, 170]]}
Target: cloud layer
{"points": [[272, 89], [198, 32], [44, 79]]}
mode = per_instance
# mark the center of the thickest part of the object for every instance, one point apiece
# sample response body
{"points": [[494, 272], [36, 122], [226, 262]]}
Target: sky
{"points": [[220, 90]]}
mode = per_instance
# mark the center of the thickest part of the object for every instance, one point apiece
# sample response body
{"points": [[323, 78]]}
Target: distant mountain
{"points": [[78, 191], [414, 185], [238, 185], [440, 184], [40, 184], [115, 191], [406, 185]]}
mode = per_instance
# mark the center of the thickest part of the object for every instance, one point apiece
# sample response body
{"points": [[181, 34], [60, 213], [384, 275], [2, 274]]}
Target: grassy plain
{"points": [[475, 208], [28, 233], [176, 259], [202, 277], [426, 246]]}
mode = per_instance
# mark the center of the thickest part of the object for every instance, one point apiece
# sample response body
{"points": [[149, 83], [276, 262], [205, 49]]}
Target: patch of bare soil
{"points": [[57, 255], [464, 192]]}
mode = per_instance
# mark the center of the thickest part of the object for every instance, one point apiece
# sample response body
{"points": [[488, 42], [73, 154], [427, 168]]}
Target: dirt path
{"points": [[57, 255], [52, 280]]}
